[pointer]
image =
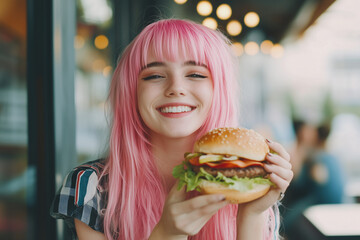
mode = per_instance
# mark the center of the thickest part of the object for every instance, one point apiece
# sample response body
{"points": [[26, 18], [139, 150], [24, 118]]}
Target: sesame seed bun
{"points": [[241, 142], [232, 195]]}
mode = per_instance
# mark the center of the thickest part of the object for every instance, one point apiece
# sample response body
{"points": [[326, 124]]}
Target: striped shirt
{"points": [[81, 197]]}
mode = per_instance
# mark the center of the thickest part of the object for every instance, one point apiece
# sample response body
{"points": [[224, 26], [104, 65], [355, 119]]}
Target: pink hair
{"points": [[135, 191]]}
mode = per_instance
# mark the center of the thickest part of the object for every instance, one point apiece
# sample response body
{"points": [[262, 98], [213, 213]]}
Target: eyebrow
{"points": [[153, 64], [193, 63], [159, 64]]}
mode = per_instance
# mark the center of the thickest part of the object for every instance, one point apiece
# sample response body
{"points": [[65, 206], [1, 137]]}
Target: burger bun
{"points": [[241, 142], [232, 195]]}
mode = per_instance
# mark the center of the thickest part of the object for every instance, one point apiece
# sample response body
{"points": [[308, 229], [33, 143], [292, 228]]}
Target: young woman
{"points": [[173, 83]]}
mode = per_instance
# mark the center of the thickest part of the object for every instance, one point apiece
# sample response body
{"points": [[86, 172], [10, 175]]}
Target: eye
{"points": [[151, 77], [196, 75]]}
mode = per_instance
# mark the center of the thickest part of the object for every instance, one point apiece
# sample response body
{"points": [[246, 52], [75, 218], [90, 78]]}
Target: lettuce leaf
{"points": [[188, 177]]}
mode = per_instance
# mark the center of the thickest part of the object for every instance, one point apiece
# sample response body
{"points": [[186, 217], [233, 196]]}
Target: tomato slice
{"points": [[243, 163]]}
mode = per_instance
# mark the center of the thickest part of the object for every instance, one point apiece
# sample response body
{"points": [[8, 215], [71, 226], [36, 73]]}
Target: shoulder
{"points": [[84, 180], [80, 195]]}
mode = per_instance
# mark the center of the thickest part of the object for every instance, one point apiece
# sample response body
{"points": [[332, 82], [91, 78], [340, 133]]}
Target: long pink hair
{"points": [[136, 194]]}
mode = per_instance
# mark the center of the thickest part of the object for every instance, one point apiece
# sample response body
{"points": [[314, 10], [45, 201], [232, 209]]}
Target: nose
{"points": [[175, 87]]}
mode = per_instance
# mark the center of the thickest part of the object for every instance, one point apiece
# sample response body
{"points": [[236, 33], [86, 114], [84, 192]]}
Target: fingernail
{"points": [[270, 154], [268, 140]]}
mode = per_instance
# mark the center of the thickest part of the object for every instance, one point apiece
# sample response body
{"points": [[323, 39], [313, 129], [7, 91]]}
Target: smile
{"points": [[177, 109]]}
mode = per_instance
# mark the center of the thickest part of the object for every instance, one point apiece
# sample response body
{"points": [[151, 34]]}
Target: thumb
{"points": [[176, 195]]}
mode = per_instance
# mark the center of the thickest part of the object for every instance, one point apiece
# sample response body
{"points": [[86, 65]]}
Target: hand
{"points": [[279, 167], [182, 217]]}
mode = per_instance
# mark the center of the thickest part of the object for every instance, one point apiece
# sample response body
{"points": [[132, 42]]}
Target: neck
{"points": [[169, 152]]}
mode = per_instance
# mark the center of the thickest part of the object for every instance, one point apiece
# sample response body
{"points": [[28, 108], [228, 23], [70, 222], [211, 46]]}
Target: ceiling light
{"points": [[204, 8], [234, 28], [180, 1], [224, 11], [251, 48], [251, 19], [210, 23]]}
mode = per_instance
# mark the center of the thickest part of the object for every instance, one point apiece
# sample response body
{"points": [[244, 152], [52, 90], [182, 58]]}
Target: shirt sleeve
{"points": [[79, 198]]}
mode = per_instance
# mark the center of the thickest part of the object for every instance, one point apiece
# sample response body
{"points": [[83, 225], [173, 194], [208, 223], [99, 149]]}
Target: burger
{"points": [[228, 161]]}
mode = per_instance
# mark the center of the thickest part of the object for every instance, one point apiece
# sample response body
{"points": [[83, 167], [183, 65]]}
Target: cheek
{"points": [[207, 94], [146, 97], [141, 98]]}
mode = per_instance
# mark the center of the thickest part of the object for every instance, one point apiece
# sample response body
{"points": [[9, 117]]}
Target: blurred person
{"points": [[319, 180], [326, 171], [174, 82], [306, 137]]}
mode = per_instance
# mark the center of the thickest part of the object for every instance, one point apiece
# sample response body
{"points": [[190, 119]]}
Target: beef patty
{"points": [[250, 172]]}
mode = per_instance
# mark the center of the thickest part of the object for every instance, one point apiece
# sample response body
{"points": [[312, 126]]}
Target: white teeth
{"points": [[177, 109]]}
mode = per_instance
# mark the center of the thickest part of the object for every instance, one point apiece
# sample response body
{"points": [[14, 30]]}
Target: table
{"points": [[333, 221]]}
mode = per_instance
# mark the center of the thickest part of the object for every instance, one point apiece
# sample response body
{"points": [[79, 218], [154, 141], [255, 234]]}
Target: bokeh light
{"points": [[251, 48], [180, 1], [234, 28], [101, 42], [210, 23], [251, 19], [204, 8], [277, 51], [224, 11], [266, 46], [238, 48], [107, 71]]}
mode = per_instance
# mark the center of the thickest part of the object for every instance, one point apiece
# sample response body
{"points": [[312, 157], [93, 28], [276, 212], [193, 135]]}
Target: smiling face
{"points": [[174, 98]]}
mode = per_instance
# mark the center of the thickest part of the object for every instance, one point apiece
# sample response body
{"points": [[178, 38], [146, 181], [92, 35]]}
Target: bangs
{"points": [[171, 41]]}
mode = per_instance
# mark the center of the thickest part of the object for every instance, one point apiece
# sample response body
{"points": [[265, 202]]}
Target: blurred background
{"points": [[299, 72]]}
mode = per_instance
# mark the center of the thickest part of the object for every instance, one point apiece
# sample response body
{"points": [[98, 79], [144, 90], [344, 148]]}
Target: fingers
{"points": [[281, 183], [209, 209], [176, 195], [277, 147], [198, 203], [189, 216], [279, 166], [199, 217], [280, 171], [278, 160]]}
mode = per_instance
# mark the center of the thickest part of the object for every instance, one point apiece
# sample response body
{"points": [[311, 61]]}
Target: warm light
{"points": [[101, 42], [204, 8], [79, 42], [98, 65], [266, 46], [180, 1], [234, 28], [251, 48], [107, 71], [224, 11], [251, 19], [210, 23], [237, 48], [277, 51]]}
